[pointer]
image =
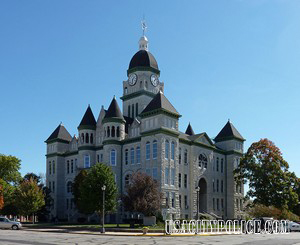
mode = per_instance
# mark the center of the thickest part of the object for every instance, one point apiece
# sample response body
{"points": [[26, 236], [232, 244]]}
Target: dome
{"points": [[143, 58]]}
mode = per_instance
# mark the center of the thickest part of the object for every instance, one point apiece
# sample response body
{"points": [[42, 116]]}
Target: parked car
{"points": [[293, 226], [8, 224]]}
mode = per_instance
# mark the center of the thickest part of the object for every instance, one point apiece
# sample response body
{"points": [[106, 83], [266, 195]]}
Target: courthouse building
{"points": [[144, 136]]}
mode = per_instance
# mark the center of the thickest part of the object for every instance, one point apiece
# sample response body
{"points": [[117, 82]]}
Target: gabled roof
{"points": [[114, 111], [189, 130], [202, 138], [60, 133], [160, 102], [228, 132], [88, 120]]}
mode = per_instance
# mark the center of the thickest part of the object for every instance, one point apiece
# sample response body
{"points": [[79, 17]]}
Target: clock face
{"points": [[132, 79], [154, 80]]}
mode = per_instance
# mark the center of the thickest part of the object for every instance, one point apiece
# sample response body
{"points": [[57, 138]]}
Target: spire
{"points": [[88, 121], [228, 132], [189, 130], [143, 42], [114, 110], [61, 134]]}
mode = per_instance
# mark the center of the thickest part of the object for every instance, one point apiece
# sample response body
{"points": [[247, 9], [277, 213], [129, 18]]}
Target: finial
{"points": [[228, 119], [144, 26], [60, 123], [114, 97]]}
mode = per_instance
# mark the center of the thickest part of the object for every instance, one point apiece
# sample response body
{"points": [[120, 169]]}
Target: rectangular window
{"points": [[167, 149], [49, 186], [49, 167], [126, 156], [218, 204], [222, 165], [185, 157], [167, 199], [113, 157], [179, 180], [87, 161], [179, 201], [217, 164], [148, 151], [179, 157], [132, 155], [166, 176], [172, 176], [68, 167], [214, 204], [154, 173], [217, 185], [53, 164], [241, 204], [148, 171], [75, 162], [185, 181], [173, 199], [154, 150], [222, 186], [222, 204], [138, 155], [185, 202], [72, 166], [53, 186], [172, 150], [213, 182], [101, 157]]}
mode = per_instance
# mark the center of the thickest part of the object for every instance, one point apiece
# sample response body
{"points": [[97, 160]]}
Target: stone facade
{"points": [[146, 138]]}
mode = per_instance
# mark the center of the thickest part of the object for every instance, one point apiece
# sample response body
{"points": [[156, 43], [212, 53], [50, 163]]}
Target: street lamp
{"points": [[198, 193], [103, 207]]}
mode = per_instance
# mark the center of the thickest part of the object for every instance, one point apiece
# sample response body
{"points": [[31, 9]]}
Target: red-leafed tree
{"points": [[142, 195]]}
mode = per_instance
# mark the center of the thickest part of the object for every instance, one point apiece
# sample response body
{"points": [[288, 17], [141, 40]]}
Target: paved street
{"points": [[24, 237]]}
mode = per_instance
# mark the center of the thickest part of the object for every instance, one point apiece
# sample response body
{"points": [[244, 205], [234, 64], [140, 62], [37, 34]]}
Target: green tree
{"points": [[33, 176], [29, 197], [88, 193], [1, 197], [270, 182], [9, 199], [142, 195], [9, 168]]}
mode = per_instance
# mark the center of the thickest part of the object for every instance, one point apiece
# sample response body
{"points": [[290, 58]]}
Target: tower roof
{"points": [[228, 132], [160, 102], [60, 133], [88, 120], [189, 130], [143, 58], [114, 111]]}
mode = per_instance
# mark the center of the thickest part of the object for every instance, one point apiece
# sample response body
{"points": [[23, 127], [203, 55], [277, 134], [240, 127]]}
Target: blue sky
{"points": [[218, 60]]}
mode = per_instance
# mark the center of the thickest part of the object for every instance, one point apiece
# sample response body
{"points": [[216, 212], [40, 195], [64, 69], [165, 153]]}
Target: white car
{"points": [[6, 223], [292, 226]]}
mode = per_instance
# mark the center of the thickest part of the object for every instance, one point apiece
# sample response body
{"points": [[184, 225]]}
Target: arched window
{"points": [[217, 164], [92, 138], [185, 156], [202, 161], [154, 149], [118, 131], [82, 138], [138, 155], [167, 149], [136, 109], [127, 179], [179, 156], [104, 132], [148, 151], [146, 85], [87, 138], [113, 157], [49, 167], [217, 185], [68, 167], [72, 166], [69, 187], [132, 108], [87, 162], [172, 150], [132, 155], [222, 186], [125, 90], [126, 156], [128, 110], [113, 131], [141, 84], [108, 132], [53, 167], [222, 165]]}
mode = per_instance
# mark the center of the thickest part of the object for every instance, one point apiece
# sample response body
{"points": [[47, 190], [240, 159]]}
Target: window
{"points": [[167, 199], [179, 201], [148, 151], [172, 150], [214, 204], [118, 131], [127, 179], [237, 204], [87, 161], [113, 157], [82, 138], [132, 155], [237, 188], [154, 149], [154, 173], [129, 111], [202, 161], [179, 158], [218, 204], [69, 187], [132, 108], [166, 176], [213, 182], [92, 139], [49, 186], [136, 109], [222, 165], [68, 167], [179, 180], [167, 149], [148, 171], [173, 200], [222, 204], [113, 131], [53, 167], [53, 186], [125, 90], [98, 158], [185, 202], [50, 167], [138, 155], [222, 186], [217, 164], [72, 166], [185, 156], [126, 157], [108, 132], [185, 181], [172, 176], [101, 158], [241, 204], [87, 138]]}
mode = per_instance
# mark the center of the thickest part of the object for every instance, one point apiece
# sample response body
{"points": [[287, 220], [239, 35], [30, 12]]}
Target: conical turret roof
{"points": [[60, 133], [228, 132], [114, 111], [88, 121], [189, 130]]}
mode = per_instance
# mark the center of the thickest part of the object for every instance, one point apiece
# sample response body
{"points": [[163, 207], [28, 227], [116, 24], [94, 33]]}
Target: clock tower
{"points": [[143, 80]]}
